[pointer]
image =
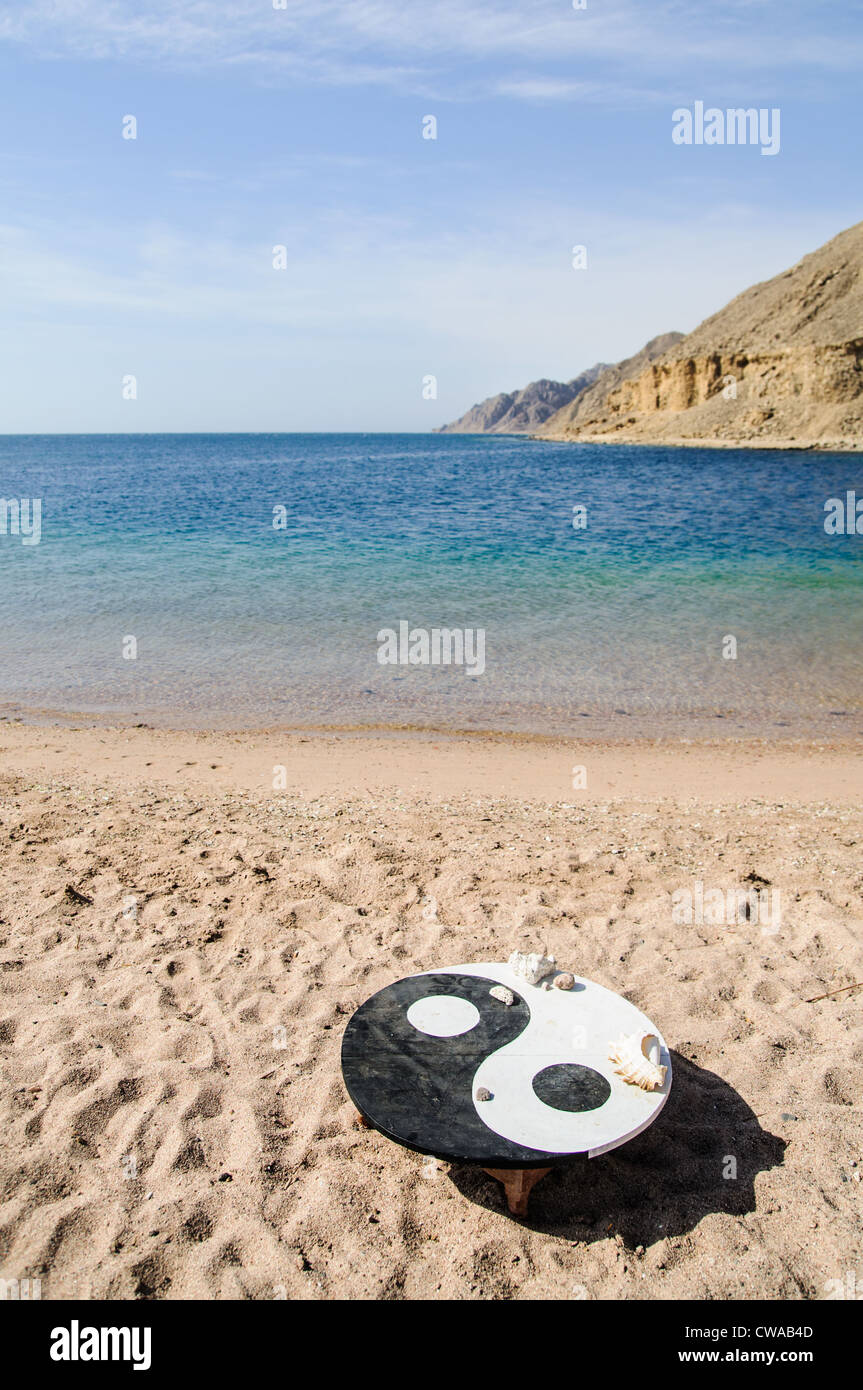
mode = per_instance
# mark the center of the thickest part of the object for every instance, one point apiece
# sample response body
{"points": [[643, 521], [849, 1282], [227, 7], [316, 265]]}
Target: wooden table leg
{"points": [[517, 1184]]}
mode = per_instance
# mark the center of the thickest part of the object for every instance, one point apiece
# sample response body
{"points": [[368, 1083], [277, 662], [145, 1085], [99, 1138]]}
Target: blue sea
{"points": [[618, 628]]}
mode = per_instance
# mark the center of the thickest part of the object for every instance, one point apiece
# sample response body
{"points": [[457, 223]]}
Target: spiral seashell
{"points": [[635, 1058]]}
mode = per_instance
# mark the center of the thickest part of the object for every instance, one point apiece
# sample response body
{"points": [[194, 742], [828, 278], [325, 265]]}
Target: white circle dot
{"points": [[443, 1015]]}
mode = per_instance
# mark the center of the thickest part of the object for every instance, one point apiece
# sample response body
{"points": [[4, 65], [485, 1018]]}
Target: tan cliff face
{"points": [[526, 411], [782, 364], [591, 400]]}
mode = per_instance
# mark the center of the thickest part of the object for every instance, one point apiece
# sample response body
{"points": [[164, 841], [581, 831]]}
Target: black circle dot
{"points": [[568, 1086]]}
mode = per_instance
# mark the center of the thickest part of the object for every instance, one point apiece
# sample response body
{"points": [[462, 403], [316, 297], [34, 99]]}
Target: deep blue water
{"points": [[615, 628]]}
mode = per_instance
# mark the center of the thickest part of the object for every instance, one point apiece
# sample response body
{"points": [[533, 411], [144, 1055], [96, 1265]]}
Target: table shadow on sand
{"points": [[661, 1183]]}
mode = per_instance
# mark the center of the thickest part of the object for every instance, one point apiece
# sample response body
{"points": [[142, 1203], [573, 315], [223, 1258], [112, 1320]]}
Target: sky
{"points": [[405, 258]]}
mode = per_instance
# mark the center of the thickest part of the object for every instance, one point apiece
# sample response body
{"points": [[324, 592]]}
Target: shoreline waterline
{"points": [[844, 729], [349, 765]]}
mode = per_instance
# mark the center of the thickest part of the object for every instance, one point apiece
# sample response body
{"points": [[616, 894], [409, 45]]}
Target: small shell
{"points": [[635, 1057], [564, 980], [505, 995], [531, 966], [483, 1093]]}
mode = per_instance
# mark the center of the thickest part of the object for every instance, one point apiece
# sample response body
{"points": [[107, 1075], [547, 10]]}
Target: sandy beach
{"points": [[182, 944]]}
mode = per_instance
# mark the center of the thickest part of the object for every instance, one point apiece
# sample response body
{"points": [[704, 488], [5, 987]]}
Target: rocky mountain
{"points": [[780, 366], [522, 412], [591, 400]]}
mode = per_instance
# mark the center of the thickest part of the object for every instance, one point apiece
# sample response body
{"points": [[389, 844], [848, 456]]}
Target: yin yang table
{"points": [[437, 1064]]}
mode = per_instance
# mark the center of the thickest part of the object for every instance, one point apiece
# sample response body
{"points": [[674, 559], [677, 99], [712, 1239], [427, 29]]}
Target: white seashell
{"points": [[531, 966], [505, 995], [635, 1057]]}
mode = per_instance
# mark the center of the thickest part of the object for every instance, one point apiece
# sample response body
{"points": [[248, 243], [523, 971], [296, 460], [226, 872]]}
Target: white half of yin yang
{"points": [[575, 1026]]}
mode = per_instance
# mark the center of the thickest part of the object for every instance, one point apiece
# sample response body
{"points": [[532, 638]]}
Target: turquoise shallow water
{"points": [[614, 629]]}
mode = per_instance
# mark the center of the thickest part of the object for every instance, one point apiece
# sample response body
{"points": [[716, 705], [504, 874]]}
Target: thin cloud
{"points": [[418, 47]]}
